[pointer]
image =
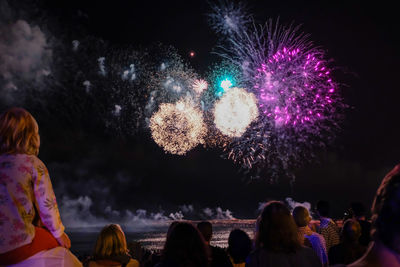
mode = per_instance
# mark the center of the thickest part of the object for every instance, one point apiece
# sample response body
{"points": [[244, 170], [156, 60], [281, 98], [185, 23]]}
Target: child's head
{"points": [[19, 132], [301, 216], [111, 242]]}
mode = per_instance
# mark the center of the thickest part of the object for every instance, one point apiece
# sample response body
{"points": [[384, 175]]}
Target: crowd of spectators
{"points": [[32, 233]]}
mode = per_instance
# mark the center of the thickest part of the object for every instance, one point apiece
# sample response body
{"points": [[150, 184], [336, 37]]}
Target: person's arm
{"points": [[46, 203]]}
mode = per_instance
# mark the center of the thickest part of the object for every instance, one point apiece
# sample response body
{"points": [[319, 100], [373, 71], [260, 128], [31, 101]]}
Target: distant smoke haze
{"points": [[25, 55], [77, 213]]}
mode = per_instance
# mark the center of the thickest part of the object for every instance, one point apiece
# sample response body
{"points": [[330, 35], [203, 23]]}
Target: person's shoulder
{"points": [[319, 237], [254, 256], [133, 263], [35, 160], [306, 252], [309, 255], [255, 253]]}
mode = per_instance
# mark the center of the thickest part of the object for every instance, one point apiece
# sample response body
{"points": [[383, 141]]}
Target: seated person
{"points": [[277, 241], [184, 247], [349, 249], [218, 255], [327, 227], [307, 236], [358, 211], [385, 233], [29, 216], [111, 249], [239, 247]]}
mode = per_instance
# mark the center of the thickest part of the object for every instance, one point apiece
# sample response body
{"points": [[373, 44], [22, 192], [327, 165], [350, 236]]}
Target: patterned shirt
{"points": [[329, 230], [25, 186]]}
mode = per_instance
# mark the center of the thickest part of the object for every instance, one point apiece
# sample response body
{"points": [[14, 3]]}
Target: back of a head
{"points": [[171, 226], [351, 231], [386, 211], [358, 209], [205, 229], [185, 246], [277, 230], [111, 242], [239, 245], [323, 208], [19, 132], [301, 216]]}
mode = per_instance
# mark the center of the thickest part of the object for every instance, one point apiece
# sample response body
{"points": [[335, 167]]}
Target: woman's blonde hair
{"points": [[111, 242], [19, 132]]}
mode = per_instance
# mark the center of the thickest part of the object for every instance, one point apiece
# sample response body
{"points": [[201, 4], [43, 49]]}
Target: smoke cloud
{"points": [[77, 214], [24, 56]]}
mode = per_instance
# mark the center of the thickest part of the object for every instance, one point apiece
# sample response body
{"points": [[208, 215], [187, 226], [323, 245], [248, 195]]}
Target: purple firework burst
{"points": [[295, 88], [299, 101]]}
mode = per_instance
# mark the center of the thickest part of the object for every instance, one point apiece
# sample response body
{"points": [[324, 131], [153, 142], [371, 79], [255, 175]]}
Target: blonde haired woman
{"points": [[111, 249], [27, 198]]}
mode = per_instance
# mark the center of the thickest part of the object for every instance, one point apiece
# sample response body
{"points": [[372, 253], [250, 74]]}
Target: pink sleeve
{"points": [[46, 200]]}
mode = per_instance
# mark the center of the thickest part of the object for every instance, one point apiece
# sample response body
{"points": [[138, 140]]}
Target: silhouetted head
{"points": [[171, 226], [358, 209], [185, 246], [239, 245], [277, 230], [301, 216], [19, 132], [351, 231], [111, 242], [386, 211], [323, 208], [205, 229]]}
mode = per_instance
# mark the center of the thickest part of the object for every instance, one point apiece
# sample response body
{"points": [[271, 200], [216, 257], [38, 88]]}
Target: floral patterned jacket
{"points": [[26, 195]]}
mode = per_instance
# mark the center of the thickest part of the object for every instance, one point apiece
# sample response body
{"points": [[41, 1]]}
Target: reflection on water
{"points": [[83, 240]]}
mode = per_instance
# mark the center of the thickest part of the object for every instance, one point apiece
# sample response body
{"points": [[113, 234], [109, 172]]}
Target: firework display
{"points": [[269, 101], [234, 112], [298, 100], [178, 127]]}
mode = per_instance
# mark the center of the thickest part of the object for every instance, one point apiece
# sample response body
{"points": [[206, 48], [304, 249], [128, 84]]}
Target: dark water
{"points": [[83, 240]]}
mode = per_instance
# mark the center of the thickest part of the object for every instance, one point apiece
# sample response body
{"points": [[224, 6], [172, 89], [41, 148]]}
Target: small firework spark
{"points": [[235, 111], [228, 17], [200, 86], [221, 77], [178, 128], [102, 68], [226, 85], [192, 54], [117, 110], [169, 83]]}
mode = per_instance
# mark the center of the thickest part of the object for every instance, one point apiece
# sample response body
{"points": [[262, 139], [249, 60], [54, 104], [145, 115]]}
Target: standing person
{"points": [[184, 247], [359, 215], [316, 241], [111, 249], [27, 199], [349, 249], [384, 249], [218, 256], [239, 247], [327, 228], [277, 241]]}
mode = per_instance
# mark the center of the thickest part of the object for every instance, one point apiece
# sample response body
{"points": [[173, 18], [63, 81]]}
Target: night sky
{"points": [[133, 173]]}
